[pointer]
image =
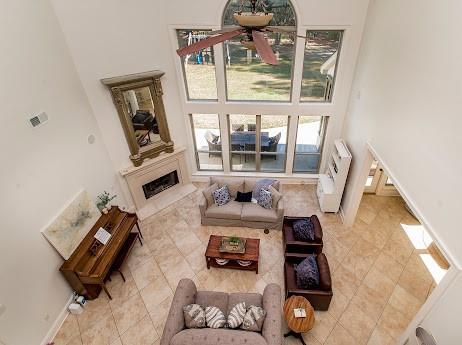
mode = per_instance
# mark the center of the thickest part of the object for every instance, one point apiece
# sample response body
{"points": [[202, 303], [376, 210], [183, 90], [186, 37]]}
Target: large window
{"points": [[198, 68], [247, 77], [207, 141], [309, 143], [322, 49], [240, 85], [250, 79], [258, 142]]}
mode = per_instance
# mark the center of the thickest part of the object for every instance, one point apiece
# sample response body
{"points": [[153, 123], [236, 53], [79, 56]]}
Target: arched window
{"points": [[284, 13], [247, 77]]}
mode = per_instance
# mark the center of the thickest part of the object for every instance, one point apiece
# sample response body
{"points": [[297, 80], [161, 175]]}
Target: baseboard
{"points": [[58, 323]]}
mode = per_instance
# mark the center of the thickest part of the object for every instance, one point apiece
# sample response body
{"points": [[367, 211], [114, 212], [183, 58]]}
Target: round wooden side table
{"points": [[298, 325]]}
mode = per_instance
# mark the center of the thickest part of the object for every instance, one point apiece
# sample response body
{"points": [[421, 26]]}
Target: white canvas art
{"points": [[67, 231]]}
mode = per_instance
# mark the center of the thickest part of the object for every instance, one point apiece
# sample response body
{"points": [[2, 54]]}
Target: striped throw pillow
{"points": [[214, 317], [194, 316], [253, 319], [236, 315]]}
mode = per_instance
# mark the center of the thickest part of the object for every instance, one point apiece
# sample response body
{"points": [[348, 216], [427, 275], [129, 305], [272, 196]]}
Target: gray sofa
{"points": [[186, 293], [241, 214]]}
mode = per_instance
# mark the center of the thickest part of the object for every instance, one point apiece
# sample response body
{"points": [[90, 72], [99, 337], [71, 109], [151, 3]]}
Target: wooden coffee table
{"points": [[252, 250], [297, 326]]}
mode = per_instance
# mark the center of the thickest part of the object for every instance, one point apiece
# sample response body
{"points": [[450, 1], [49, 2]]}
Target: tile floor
{"points": [[379, 281]]}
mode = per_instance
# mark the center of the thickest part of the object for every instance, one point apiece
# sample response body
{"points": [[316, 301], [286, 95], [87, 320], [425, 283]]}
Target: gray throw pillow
{"points": [[253, 319], [194, 316], [265, 199], [221, 196], [307, 273], [207, 192], [214, 317], [275, 195], [236, 315]]}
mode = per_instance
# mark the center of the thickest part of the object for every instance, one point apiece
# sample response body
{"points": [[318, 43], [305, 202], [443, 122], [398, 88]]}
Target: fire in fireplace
{"points": [[160, 184]]}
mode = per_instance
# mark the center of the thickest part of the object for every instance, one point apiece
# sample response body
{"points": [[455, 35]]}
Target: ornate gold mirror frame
{"points": [[151, 80]]}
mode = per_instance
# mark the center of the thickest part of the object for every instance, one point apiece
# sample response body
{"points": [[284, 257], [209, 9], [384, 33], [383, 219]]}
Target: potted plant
{"points": [[104, 199], [234, 241]]}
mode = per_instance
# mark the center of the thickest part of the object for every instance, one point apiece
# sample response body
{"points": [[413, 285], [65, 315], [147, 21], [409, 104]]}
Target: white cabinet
{"points": [[332, 183]]}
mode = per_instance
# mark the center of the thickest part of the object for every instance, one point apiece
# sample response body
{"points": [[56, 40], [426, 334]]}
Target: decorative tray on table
{"points": [[232, 245]]}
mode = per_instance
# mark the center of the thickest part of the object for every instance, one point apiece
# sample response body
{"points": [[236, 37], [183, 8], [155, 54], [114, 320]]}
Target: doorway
{"points": [[378, 182], [408, 261]]}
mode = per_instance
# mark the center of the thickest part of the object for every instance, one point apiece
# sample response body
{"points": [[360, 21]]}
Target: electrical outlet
{"points": [[2, 309]]}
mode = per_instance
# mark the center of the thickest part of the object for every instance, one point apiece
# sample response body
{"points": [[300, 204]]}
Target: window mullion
{"points": [[225, 146], [291, 141], [258, 143], [220, 73]]}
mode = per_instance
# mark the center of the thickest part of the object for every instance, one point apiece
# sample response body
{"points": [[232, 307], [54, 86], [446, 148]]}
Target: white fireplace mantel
{"points": [[152, 169]]}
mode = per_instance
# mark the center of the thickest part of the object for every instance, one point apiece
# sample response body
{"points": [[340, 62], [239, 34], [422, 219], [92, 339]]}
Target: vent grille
{"points": [[38, 120]]}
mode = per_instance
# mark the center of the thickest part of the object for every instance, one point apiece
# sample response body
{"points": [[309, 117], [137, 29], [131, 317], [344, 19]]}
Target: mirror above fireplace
{"points": [[138, 100]]}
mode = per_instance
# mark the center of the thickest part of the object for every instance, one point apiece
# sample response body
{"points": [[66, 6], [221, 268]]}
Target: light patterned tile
{"points": [[370, 302], [405, 302], [129, 313], [146, 273], [102, 332], [388, 266], [69, 330], [340, 336], [338, 304], [160, 313], [323, 325], [380, 337], [345, 281], [142, 333], [139, 255], [361, 258], [359, 325], [393, 321], [155, 292], [122, 291], [95, 310], [196, 259]]}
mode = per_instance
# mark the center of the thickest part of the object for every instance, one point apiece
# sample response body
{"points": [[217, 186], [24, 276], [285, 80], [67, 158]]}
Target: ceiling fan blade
{"points": [[263, 48], [208, 42], [224, 30], [285, 29], [290, 31]]}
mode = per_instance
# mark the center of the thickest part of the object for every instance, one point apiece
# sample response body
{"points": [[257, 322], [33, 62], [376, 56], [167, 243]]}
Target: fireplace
{"points": [[160, 184]]}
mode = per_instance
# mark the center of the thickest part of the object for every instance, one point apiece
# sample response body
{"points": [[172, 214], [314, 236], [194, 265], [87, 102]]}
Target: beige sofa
{"points": [[186, 293], [236, 213]]}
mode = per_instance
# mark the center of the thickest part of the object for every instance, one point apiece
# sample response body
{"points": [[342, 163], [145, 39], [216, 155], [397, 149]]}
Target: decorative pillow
{"points": [[221, 196], [236, 315], [307, 273], [275, 195], [208, 193], [265, 200], [303, 230], [244, 197], [214, 317], [263, 183], [253, 319], [194, 316]]}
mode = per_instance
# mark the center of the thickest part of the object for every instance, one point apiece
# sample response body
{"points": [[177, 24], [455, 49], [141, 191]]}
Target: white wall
{"points": [[406, 102], [109, 38], [42, 168]]}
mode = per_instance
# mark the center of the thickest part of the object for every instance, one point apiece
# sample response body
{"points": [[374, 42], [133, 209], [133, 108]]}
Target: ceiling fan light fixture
{"points": [[253, 20]]}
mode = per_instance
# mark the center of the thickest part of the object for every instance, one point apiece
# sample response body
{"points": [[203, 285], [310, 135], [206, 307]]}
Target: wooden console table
{"points": [[252, 250], [90, 265]]}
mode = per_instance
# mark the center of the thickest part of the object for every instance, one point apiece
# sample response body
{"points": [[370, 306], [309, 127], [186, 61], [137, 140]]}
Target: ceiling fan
{"points": [[252, 26]]}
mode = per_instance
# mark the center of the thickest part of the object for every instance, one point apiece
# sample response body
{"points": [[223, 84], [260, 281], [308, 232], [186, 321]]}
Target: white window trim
{"points": [[294, 108]]}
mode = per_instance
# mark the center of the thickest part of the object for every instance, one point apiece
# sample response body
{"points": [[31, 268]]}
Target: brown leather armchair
{"points": [[291, 245], [319, 296]]}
